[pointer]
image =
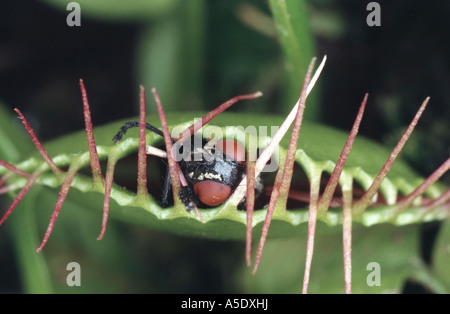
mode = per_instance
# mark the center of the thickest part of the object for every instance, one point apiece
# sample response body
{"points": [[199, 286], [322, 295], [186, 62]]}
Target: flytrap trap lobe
{"points": [[210, 189]]}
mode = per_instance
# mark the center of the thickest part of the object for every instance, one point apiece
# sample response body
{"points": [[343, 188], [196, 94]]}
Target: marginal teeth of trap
{"points": [[154, 151], [238, 194]]}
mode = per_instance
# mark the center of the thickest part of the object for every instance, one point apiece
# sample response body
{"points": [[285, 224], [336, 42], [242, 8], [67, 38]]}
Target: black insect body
{"points": [[211, 174]]}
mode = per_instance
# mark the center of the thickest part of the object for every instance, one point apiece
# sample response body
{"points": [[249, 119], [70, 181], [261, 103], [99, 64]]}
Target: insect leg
{"points": [[118, 137], [188, 197], [167, 187]]}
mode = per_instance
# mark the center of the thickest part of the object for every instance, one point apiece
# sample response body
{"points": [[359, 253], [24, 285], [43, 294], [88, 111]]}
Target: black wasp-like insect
{"points": [[212, 171]]}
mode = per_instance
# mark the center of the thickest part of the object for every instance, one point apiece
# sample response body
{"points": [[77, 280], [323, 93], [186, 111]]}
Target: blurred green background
{"points": [[199, 53]]}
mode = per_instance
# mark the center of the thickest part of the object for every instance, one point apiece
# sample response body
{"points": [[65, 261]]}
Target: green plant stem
{"points": [[22, 224], [170, 57], [297, 42], [193, 19], [33, 267]]}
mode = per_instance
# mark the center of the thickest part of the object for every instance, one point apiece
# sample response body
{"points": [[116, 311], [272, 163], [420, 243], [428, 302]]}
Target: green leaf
{"points": [[281, 271], [441, 256], [319, 148], [118, 10]]}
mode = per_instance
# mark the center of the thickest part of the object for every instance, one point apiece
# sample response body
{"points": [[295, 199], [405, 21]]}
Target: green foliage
{"points": [[119, 11]]}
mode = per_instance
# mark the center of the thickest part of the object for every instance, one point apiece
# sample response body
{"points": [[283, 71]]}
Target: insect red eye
{"points": [[233, 149], [212, 193]]}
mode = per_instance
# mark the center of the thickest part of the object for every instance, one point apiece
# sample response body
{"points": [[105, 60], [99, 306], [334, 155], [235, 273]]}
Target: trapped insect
{"points": [[212, 169]]}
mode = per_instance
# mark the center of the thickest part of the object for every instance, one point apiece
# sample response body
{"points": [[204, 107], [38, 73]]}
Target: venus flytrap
{"points": [[315, 149]]}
